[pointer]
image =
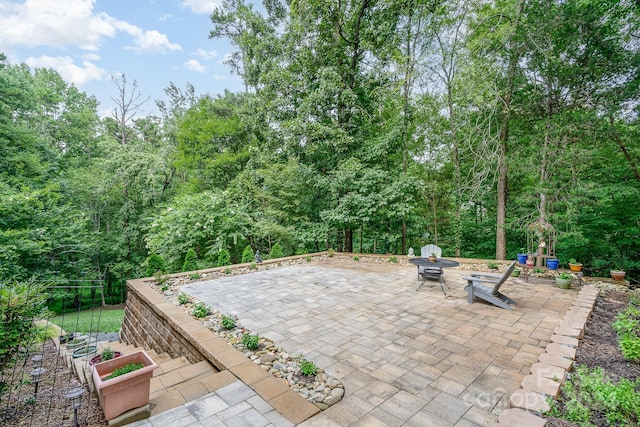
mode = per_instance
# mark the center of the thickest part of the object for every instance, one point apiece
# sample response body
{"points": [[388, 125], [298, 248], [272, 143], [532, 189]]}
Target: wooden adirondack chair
{"points": [[487, 286]]}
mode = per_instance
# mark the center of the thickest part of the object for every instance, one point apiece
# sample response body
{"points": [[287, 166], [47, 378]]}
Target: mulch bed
{"points": [[599, 347], [50, 408]]}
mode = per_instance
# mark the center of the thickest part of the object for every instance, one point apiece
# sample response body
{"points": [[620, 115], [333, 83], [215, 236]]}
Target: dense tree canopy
{"points": [[364, 126]]}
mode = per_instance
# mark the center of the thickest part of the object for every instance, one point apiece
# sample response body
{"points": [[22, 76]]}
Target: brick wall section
{"points": [[150, 321]]}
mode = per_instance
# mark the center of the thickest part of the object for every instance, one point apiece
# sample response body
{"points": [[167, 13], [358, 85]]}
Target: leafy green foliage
{"points": [[154, 263], [393, 259], [247, 254], [590, 391], [276, 251], [228, 322], [251, 342], [20, 304], [183, 298], [224, 258], [107, 354], [129, 367], [200, 310], [492, 265], [190, 261], [307, 367], [627, 326]]}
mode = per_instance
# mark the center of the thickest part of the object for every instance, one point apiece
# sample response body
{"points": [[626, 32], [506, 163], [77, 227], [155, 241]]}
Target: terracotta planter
{"points": [[432, 259], [618, 274], [127, 391], [575, 267]]}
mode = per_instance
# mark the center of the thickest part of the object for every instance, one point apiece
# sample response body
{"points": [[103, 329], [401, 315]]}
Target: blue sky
{"points": [[154, 42]]}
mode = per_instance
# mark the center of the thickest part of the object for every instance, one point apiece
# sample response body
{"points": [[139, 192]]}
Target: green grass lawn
{"points": [[95, 320]]}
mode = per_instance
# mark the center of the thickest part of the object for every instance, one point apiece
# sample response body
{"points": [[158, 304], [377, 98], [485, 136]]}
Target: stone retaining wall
{"points": [[153, 323]]}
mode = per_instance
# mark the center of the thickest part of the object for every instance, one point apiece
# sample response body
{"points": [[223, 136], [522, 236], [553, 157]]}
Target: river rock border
{"points": [[323, 390]]}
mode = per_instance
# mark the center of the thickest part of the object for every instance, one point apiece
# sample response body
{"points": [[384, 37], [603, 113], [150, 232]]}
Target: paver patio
{"points": [[405, 357]]}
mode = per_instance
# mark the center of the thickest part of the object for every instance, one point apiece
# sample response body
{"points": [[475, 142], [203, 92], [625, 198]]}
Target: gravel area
{"points": [[21, 407]]}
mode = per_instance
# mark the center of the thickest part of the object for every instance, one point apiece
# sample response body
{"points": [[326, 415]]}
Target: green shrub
{"points": [[129, 367], [223, 258], [247, 254], [492, 265], [164, 287], [194, 276], [183, 298], [627, 326], [356, 258], [307, 367], [154, 263], [107, 354], [308, 259], [200, 310], [250, 342], [20, 303], [393, 260], [227, 270], [276, 251], [190, 261], [590, 392], [330, 252], [228, 322], [252, 266]]}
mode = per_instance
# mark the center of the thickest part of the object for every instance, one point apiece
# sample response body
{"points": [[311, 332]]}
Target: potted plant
{"points": [[106, 354], [574, 265], [120, 393], [65, 338], [516, 272], [522, 256], [433, 257], [563, 280], [552, 264], [618, 274]]}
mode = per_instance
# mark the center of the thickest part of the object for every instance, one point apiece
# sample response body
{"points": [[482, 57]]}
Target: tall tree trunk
{"points": [[503, 141]]}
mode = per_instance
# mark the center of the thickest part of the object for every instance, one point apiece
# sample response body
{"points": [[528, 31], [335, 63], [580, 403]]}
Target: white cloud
{"points": [[207, 55], [201, 6], [194, 65], [65, 66], [64, 23], [218, 77], [53, 23], [154, 42]]}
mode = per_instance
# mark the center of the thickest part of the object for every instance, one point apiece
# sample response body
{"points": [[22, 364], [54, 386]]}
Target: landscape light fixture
{"points": [[36, 361], [36, 376], [75, 400]]}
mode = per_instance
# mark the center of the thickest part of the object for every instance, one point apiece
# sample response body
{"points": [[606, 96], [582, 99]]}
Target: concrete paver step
{"points": [[171, 365], [160, 358], [184, 384]]}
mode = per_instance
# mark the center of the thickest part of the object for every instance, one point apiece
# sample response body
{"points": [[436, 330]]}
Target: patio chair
{"points": [[487, 286], [426, 272]]}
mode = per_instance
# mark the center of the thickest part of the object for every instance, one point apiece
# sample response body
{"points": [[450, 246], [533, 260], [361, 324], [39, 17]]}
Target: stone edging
{"points": [[551, 370], [219, 353]]}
